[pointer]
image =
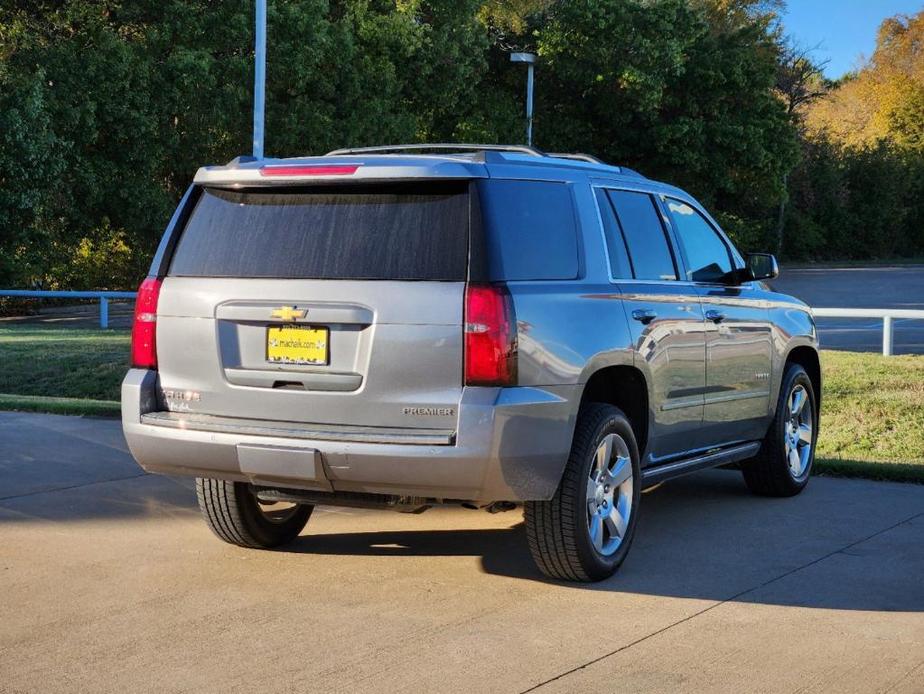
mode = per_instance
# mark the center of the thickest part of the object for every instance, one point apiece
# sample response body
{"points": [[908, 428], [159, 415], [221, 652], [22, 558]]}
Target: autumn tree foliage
{"points": [[884, 101], [858, 190]]}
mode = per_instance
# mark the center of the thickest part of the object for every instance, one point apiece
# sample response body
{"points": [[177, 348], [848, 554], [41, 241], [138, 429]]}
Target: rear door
{"points": [[738, 336], [335, 305], [665, 317]]}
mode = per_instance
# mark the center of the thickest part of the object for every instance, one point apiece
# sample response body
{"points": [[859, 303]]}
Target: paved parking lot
{"points": [[860, 287], [109, 582]]}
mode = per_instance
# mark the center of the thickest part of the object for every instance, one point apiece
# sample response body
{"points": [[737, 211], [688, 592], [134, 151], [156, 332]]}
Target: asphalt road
{"points": [[873, 287], [110, 582], [85, 317]]}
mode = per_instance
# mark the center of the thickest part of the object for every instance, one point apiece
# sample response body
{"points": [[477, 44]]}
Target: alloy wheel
{"points": [[798, 432], [609, 494]]}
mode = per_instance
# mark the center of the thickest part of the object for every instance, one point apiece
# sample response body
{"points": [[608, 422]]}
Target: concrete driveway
{"points": [[109, 582]]}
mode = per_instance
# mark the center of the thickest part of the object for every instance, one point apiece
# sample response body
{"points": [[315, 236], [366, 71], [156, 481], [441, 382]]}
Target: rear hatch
{"points": [[337, 305]]}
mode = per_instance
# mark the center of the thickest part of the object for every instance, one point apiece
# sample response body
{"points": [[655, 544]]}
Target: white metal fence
{"points": [[887, 315], [103, 297]]}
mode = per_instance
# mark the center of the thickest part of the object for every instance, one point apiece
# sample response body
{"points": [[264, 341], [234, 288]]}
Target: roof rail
{"points": [[482, 148], [462, 147], [241, 159], [578, 156]]}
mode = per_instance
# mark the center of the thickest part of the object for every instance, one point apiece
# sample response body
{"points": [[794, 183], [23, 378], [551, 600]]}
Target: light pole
{"points": [[259, 79], [530, 60]]}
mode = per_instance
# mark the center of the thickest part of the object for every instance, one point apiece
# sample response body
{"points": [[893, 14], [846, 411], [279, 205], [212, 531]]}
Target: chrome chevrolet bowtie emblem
{"points": [[287, 313]]}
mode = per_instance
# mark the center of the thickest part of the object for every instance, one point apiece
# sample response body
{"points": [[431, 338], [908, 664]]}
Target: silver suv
{"points": [[405, 326]]}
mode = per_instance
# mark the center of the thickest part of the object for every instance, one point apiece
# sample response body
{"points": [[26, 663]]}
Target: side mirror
{"points": [[761, 266]]}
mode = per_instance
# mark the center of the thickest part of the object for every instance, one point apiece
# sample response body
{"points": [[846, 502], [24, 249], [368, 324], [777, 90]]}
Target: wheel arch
{"points": [[624, 387], [807, 357]]}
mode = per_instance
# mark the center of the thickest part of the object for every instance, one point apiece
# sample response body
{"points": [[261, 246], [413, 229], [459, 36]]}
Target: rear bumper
{"points": [[510, 444]]}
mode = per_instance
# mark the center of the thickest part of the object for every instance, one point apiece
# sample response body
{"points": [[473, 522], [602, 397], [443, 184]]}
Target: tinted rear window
{"points": [[530, 232], [398, 232]]}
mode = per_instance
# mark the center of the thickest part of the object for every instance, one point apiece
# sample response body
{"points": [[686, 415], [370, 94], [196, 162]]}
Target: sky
{"points": [[845, 29]]}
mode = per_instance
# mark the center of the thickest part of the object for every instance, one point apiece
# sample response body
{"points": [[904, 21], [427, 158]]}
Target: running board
{"points": [[659, 473]]}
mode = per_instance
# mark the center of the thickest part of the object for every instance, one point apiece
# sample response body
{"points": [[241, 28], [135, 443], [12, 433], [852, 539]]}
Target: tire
{"points": [[233, 513], [560, 530], [783, 465]]}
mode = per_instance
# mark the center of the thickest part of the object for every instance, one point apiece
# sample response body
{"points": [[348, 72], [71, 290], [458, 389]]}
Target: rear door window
{"points": [[395, 232], [530, 231], [645, 235]]}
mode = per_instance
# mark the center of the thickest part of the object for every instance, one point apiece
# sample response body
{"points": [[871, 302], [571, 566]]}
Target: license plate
{"points": [[297, 344]]}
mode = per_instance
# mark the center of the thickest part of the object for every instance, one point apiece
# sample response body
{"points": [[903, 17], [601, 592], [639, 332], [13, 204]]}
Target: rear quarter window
{"points": [[529, 230]]}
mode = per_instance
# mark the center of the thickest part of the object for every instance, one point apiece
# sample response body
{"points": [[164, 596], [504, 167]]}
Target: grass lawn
{"points": [[872, 422], [872, 419], [62, 370]]}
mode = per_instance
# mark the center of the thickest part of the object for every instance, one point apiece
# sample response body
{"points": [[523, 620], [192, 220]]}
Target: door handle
{"points": [[644, 315], [715, 316]]}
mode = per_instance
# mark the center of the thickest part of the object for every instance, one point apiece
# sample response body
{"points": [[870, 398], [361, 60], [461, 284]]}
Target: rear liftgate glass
{"points": [[338, 304]]}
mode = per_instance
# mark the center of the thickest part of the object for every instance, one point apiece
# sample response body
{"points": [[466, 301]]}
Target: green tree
{"points": [[659, 87], [108, 107], [113, 105]]}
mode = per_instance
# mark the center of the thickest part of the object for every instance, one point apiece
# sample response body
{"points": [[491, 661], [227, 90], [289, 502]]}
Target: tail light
{"points": [[144, 349], [490, 336]]}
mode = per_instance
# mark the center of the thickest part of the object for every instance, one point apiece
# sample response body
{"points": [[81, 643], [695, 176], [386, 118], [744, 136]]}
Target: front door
{"points": [[738, 336]]}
